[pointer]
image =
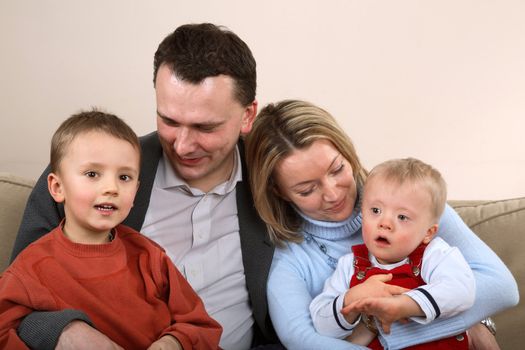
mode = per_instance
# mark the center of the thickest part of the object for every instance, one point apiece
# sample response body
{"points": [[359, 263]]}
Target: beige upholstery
{"points": [[14, 191], [501, 224]]}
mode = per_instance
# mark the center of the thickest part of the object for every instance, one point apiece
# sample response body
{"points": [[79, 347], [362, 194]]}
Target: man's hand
{"points": [[166, 342], [387, 309], [81, 336], [480, 338]]}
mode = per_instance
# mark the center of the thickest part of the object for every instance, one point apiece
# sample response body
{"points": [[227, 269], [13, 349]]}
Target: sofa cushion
{"points": [[501, 224], [14, 191]]}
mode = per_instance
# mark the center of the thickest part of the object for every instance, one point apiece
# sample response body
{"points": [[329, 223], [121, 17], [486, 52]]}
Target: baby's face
{"points": [[97, 181], [396, 219]]}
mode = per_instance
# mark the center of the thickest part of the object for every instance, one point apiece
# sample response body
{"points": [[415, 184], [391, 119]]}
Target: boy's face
{"points": [[97, 181], [396, 219]]}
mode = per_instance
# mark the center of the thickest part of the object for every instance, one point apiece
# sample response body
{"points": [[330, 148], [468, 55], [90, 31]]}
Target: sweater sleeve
{"points": [[16, 303], [450, 286], [289, 301], [191, 324], [496, 288], [41, 329]]}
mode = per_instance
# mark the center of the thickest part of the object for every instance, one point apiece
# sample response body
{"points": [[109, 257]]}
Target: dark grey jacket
{"points": [[42, 214]]}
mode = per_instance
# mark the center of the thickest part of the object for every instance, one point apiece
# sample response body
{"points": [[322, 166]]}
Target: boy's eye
{"points": [[125, 177], [376, 210], [91, 174]]}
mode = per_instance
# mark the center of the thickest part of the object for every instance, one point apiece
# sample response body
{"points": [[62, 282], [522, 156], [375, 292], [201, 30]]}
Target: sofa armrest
{"points": [[14, 191], [501, 225]]}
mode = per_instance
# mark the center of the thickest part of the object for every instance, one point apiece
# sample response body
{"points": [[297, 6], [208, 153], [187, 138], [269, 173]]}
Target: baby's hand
{"points": [[375, 286], [166, 342], [386, 309]]}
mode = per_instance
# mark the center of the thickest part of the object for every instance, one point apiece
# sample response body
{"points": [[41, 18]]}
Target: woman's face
{"points": [[319, 181]]}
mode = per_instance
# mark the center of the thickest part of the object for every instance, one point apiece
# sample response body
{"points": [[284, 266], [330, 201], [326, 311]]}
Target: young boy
{"points": [[124, 282], [402, 202]]}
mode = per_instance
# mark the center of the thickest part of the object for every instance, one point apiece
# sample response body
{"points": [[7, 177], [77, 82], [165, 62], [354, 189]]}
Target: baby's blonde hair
{"points": [[413, 170]]}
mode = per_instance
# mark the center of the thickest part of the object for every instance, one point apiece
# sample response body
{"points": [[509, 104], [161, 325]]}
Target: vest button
{"points": [[415, 271], [460, 337]]}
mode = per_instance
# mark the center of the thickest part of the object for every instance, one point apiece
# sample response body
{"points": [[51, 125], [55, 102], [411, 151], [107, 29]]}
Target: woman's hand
{"points": [[166, 342], [480, 338]]}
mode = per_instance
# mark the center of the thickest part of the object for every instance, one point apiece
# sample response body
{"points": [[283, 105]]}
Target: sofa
{"points": [[499, 223]]}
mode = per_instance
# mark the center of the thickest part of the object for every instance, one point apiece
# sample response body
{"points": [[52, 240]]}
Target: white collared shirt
{"points": [[200, 233]]}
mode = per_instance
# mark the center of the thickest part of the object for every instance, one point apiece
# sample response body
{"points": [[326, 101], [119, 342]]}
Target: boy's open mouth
{"points": [[105, 207]]}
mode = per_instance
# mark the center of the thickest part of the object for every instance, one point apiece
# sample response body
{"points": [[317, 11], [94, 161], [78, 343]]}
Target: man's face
{"points": [[199, 126]]}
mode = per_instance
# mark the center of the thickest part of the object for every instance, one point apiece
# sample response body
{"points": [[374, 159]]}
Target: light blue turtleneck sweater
{"points": [[299, 270]]}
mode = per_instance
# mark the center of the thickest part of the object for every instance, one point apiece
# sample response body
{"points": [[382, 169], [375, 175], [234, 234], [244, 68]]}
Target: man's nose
{"points": [[184, 141]]}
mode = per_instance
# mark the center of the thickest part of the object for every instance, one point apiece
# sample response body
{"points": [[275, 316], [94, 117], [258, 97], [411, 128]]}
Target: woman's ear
{"points": [[431, 232], [55, 187], [278, 194]]}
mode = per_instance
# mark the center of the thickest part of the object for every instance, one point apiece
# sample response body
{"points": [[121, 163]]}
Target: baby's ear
{"points": [[431, 232], [54, 185]]}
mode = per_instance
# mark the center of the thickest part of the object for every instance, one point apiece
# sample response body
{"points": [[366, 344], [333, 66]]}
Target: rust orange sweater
{"points": [[129, 288]]}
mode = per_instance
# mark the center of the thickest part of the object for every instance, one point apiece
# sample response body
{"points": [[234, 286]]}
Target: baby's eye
{"points": [[402, 217], [90, 174], [376, 210]]}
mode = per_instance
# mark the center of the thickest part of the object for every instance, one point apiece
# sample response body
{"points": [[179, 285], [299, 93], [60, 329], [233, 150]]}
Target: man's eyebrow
{"points": [[210, 124]]}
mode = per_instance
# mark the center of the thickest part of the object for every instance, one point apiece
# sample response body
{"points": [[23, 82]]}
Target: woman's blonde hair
{"points": [[278, 130]]}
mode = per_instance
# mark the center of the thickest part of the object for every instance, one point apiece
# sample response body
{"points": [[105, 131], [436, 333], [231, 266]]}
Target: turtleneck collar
{"points": [[334, 230]]}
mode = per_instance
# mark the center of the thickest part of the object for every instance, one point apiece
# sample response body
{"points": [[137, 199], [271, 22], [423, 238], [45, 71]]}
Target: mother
{"points": [[306, 181]]}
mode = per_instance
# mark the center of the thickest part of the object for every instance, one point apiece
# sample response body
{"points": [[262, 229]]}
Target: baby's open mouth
{"points": [[382, 240]]}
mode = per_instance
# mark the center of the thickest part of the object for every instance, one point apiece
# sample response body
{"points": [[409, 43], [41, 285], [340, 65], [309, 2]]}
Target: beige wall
{"points": [[440, 80]]}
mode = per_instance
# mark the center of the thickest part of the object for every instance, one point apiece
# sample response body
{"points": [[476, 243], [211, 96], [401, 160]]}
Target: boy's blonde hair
{"points": [[411, 170], [84, 122]]}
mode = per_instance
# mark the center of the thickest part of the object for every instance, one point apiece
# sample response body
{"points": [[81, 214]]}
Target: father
{"points": [[194, 197]]}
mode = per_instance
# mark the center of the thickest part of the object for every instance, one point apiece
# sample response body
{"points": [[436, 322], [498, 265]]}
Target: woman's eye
{"points": [[339, 168], [91, 174], [306, 193]]}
